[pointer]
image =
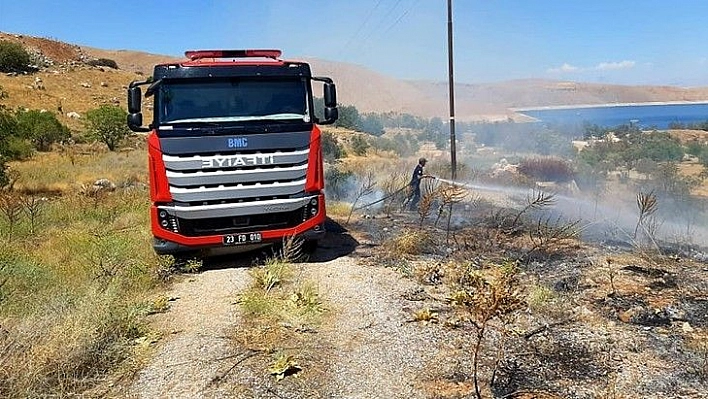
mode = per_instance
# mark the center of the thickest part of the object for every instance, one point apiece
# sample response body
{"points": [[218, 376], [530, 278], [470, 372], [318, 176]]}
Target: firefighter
{"points": [[414, 185]]}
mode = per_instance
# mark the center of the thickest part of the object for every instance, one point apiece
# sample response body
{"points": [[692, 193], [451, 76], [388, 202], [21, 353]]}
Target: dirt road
{"points": [[195, 345], [365, 348]]}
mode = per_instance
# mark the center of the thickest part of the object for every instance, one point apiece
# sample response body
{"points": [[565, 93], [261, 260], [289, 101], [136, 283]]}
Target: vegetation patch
{"points": [[546, 169], [13, 57], [409, 242], [278, 309], [75, 287], [275, 297], [103, 62]]}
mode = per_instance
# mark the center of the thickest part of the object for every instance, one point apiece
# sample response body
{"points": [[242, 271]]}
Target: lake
{"points": [[648, 115]]}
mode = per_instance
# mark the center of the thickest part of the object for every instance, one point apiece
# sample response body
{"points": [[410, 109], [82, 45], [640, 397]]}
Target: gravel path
{"points": [[196, 338], [376, 352], [366, 347]]}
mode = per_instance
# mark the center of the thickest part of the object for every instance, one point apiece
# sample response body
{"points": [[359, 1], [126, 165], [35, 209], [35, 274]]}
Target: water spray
{"points": [[381, 200]]}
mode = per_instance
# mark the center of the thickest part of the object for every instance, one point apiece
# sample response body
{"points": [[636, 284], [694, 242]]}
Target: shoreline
{"points": [[605, 105]]}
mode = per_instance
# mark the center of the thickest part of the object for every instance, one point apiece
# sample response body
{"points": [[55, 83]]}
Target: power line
{"points": [[381, 22], [402, 16], [366, 20]]}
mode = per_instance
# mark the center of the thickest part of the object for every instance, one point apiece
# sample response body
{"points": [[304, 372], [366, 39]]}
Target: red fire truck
{"points": [[235, 158]]}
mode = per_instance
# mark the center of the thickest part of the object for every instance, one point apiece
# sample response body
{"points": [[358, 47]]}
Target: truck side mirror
{"points": [[134, 99], [331, 114], [330, 95], [330, 101], [135, 122], [135, 116]]}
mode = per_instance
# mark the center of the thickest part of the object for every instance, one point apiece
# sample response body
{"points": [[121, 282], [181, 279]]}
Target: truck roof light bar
{"points": [[259, 53]]}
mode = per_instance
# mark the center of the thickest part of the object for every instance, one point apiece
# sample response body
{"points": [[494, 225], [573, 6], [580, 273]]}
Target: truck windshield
{"points": [[232, 100]]}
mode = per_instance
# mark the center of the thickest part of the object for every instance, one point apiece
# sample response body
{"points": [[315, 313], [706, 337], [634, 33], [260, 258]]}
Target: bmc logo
{"points": [[238, 142]]}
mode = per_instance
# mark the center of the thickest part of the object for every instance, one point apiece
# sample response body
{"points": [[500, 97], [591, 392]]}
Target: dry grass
{"points": [[54, 172], [409, 242], [65, 90], [278, 307], [66, 347], [337, 209], [276, 295], [271, 274], [540, 298], [76, 281], [694, 169], [425, 315]]}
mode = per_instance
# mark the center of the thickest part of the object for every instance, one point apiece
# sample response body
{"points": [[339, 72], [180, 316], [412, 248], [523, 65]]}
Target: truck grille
{"points": [[217, 189], [236, 177]]}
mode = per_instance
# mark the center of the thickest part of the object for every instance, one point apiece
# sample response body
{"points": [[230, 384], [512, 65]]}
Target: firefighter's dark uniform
{"points": [[414, 185]]}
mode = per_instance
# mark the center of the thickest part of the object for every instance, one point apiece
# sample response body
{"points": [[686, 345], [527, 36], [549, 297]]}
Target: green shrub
{"points": [[546, 169], [348, 117], [657, 146], [337, 182], [103, 62], [18, 149], [668, 181], [331, 149], [371, 123], [700, 151], [695, 148], [13, 57], [41, 128], [107, 124], [359, 145], [549, 142], [8, 127]]}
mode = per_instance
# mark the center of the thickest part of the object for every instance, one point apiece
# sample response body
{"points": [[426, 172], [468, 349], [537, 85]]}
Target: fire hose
{"points": [[387, 197]]}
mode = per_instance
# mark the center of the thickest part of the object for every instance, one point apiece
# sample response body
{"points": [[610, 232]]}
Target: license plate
{"points": [[246, 238]]}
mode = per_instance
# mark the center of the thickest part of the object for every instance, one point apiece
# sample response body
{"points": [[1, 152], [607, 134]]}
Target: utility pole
{"points": [[451, 83]]}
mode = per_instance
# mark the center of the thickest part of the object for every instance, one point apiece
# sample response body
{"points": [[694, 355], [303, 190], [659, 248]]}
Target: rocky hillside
{"points": [[65, 70]]}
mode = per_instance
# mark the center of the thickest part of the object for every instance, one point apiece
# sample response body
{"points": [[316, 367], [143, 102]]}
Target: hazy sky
{"points": [[613, 41]]}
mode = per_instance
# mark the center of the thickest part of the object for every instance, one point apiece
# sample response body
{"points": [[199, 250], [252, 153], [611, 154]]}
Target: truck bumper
{"points": [[166, 247], [168, 242]]}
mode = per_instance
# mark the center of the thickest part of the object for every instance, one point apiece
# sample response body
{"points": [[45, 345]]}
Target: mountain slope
{"points": [[368, 90]]}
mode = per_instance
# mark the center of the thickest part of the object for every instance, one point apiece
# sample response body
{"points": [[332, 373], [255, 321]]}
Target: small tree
{"points": [[338, 182], [366, 188], [13, 57], [487, 295], [41, 128], [331, 148], [107, 125], [359, 145], [103, 62], [348, 117], [371, 123], [8, 127], [434, 128]]}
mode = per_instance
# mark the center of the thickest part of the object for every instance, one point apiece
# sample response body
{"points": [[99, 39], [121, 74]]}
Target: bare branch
{"points": [[537, 199], [366, 188]]}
